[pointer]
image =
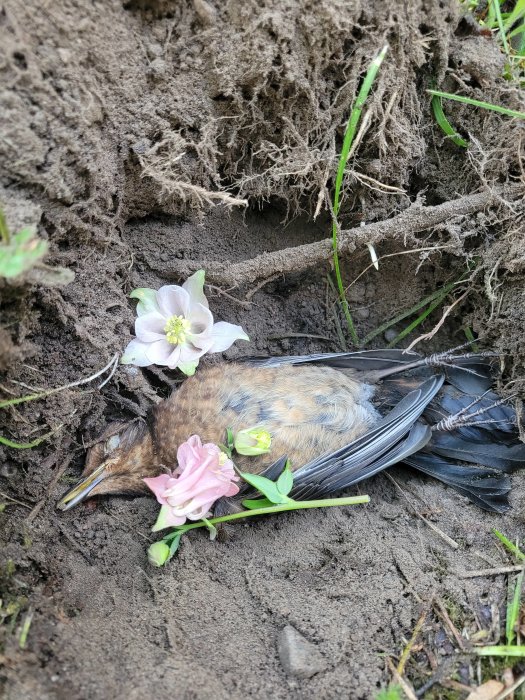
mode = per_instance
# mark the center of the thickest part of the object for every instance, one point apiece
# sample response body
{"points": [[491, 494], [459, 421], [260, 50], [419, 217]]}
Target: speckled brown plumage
{"points": [[312, 410], [307, 410]]}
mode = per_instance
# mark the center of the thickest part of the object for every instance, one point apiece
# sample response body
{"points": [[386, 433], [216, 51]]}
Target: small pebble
{"points": [[298, 656], [390, 335]]}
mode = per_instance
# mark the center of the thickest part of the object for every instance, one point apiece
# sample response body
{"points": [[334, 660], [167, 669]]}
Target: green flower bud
{"points": [[252, 442], [158, 553]]}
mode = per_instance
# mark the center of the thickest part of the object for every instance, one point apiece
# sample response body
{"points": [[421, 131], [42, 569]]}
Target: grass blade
{"points": [[501, 651], [407, 312], [349, 136], [478, 103], [509, 545], [502, 32], [513, 610], [445, 125]]}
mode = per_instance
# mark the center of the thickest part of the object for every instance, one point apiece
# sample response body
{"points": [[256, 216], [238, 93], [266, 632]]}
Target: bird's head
{"points": [[117, 463]]}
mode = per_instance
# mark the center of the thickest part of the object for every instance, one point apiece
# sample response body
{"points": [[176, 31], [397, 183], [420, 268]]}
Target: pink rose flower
{"points": [[204, 475]]}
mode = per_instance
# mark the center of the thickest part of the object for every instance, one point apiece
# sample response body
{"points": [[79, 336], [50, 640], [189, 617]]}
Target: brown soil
{"points": [[130, 132]]}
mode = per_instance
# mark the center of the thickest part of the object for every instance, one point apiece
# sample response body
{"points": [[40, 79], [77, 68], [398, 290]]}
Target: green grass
{"points": [[478, 103], [445, 125], [510, 649], [350, 133], [508, 27], [431, 302]]}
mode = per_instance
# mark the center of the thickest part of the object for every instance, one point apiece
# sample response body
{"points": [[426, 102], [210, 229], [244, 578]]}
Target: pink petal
{"points": [[150, 327], [173, 301], [136, 354], [194, 285], [160, 351], [232, 490], [167, 518], [159, 484], [224, 335]]}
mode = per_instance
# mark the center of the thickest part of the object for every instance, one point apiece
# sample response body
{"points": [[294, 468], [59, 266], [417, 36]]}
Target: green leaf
{"points": [[258, 503], [285, 480], [22, 252], [266, 487], [188, 368], [174, 546]]}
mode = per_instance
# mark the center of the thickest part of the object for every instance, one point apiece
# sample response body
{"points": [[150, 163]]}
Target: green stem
{"points": [[281, 508], [5, 236], [348, 140]]}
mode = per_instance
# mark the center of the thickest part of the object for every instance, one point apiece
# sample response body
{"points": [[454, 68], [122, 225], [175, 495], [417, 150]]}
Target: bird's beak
{"points": [[82, 490]]}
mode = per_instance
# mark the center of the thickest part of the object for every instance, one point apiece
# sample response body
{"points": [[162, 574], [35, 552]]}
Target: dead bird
{"points": [[339, 418]]}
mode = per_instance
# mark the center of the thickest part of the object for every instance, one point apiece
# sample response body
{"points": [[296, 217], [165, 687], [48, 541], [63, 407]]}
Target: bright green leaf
{"points": [[266, 487], [258, 503], [285, 480], [22, 252]]}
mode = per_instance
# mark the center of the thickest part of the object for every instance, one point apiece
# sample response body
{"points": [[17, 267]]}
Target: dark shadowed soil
{"points": [[129, 133]]}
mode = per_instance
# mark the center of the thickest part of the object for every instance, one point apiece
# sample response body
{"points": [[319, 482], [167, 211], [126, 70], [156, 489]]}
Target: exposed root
{"points": [[413, 220]]}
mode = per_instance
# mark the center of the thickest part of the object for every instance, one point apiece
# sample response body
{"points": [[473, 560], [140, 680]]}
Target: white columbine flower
{"points": [[175, 327]]}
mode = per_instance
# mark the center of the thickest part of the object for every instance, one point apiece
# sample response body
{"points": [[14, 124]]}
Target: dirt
{"points": [[132, 134]]}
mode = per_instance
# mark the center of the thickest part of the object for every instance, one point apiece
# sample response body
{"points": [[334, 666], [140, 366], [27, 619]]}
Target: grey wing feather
{"points": [[395, 437]]}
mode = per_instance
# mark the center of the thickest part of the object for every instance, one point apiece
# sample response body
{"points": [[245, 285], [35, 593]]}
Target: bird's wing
{"points": [[486, 488], [395, 437], [471, 372]]}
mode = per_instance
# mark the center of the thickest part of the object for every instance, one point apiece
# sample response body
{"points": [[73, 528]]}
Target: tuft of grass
{"points": [[513, 647], [508, 28], [350, 133], [478, 103]]}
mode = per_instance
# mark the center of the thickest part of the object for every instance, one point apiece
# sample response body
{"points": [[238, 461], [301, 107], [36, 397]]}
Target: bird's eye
{"points": [[112, 444]]}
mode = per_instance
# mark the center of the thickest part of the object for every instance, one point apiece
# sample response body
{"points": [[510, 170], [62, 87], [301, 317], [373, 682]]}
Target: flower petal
{"points": [[160, 352], [224, 335], [166, 518], [201, 320], [150, 327], [159, 484], [173, 301], [147, 300], [194, 285], [135, 354]]}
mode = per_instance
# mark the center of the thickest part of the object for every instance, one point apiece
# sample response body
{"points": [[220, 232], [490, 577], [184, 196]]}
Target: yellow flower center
{"points": [[176, 329]]}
